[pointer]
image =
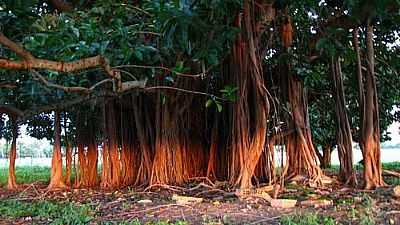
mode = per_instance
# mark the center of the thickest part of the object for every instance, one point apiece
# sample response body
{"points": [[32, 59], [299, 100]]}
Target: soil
{"points": [[220, 205]]}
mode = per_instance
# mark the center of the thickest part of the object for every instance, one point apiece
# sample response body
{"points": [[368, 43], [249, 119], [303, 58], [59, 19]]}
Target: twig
{"points": [[202, 74], [169, 187], [183, 90], [199, 186], [216, 190], [392, 173], [203, 178]]}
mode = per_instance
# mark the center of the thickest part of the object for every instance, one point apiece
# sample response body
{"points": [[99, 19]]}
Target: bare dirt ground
{"points": [[219, 204]]}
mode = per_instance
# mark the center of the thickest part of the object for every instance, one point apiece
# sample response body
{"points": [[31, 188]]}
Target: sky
{"points": [[394, 133]]}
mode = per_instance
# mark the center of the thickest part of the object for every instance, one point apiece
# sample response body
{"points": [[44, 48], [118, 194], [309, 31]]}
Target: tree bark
{"points": [[30, 62], [145, 136], [302, 159], [68, 154], [129, 157], [68, 164], [343, 131], [113, 147], [92, 158], [56, 179], [12, 181], [326, 157], [250, 112], [106, 182], [369, 124]]}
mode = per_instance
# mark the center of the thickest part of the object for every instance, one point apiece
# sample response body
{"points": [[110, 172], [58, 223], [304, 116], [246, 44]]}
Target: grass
{"points": [[386, 166], [27, 174], [60, 213], [359, 167], [307, 219]]}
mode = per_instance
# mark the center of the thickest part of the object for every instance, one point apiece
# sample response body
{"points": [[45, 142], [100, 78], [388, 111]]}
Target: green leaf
{"points": [[321, 44], [219, 106], [75, 31], [209, 103], [138, 54]]}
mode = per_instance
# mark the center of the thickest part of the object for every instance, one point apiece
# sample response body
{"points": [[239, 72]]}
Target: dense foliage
{"points": [[174, 89]]}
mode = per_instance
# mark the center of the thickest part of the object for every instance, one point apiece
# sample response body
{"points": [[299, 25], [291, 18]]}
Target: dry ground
{"points": [[220, 205]]}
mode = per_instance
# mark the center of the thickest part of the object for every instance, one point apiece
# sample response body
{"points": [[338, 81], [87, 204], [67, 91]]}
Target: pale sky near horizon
{"points": [[393, 129], [394, 133]]}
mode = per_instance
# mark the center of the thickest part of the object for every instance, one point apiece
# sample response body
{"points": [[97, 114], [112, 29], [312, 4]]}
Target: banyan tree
{"points": [[160, 92]]}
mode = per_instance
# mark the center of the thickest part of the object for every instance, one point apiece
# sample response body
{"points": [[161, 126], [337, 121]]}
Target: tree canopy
{"points": [[169, 90]]}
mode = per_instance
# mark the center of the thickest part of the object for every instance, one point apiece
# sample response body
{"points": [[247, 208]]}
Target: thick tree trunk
{"points": [[106, 182], [68, 164], [81, 138], [325, 159], [82, 160], [170, 152], [369, 127], [213, 153], [68, 154], [12, 181], [56, 179], [343, 132], [92, 158], [129, 157], [105, 170], [250, 111], [113, 147], [302, 159], [145, 136], [91, 154]]}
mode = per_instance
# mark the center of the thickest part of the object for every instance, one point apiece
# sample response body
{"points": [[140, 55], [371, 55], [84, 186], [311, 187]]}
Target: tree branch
{"points": [[64, 88], [30, 62], [11, 110], [23, 115], [125, 86], [15, 47], [183, 90], [9, 85]]}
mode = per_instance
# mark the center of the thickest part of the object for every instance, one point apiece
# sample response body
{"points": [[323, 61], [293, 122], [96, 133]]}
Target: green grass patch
{"points": [[307, 219], [61, 213], [359, 167], [391, 166], [27, 174], [30, 174]]}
